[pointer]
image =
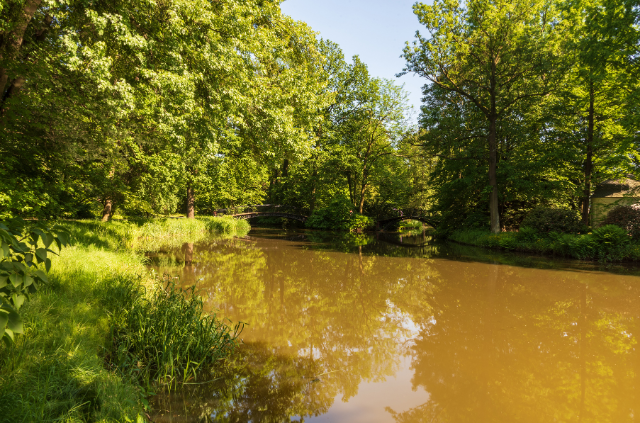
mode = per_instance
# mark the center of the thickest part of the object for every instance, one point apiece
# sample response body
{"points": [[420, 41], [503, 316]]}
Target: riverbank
{"points": [[63, 368], [603, 244]]}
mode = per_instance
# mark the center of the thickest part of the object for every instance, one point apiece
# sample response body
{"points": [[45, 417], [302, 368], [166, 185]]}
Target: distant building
{"points": [[611, 193]]}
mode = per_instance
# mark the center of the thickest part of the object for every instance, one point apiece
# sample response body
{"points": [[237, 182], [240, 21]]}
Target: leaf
{"points": [[48, 239], [28, 280], [18, 300], [15, 323], [9, 333], [47, 264], [64, 238], [4, 280], [42, 254], [15, 279], [42, 276], [5, 250], [19, 267]]}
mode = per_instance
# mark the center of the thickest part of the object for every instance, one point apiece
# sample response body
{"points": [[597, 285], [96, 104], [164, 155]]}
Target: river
{"points": [[401, 329]]}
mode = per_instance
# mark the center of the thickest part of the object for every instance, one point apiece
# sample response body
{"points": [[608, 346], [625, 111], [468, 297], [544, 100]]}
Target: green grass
{"points": [[410, 226], [601, 245], [147, 235], [65, 367], [163, 335]]}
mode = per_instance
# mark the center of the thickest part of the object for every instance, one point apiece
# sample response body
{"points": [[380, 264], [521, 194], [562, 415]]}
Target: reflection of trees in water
{"points": [[515, 346], [259, 384], [343, 314], [496, 343]]}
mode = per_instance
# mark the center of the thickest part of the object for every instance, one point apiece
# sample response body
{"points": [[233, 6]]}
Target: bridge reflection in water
{"points": [[358, 329]]}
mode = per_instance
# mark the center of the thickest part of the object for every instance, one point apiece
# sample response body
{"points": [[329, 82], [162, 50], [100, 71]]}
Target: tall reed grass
{"points": [[163, 335]]}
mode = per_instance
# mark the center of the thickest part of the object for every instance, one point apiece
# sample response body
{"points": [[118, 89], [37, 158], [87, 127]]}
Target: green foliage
{"points": [[227, 226], [149, 234], [130, 103], [606, 244], [546, 220], [626, 217], [527, 234], [163, 335], [56, 371], [410, 225], [25, 252], [611, 242], [339, 215]]}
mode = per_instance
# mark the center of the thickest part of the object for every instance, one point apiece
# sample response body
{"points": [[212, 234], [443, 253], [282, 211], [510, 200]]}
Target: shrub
{"points": [[527, 234], [625, 217], [339, 215], [546, 220]]}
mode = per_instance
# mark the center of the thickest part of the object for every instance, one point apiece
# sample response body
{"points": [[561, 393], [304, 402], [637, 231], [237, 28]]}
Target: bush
{"points": [[527, 234], [625, 217], [546, 220], [610, 242], [339, 215]]}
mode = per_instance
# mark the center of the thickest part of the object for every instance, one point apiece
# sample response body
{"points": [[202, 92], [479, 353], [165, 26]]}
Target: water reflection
{"points": [[333, 322]]}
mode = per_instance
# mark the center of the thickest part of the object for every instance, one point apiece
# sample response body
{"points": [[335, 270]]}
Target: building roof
{"points": [[617, 188]]}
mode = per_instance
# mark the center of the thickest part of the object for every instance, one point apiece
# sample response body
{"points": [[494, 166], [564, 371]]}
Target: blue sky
{"points": [[376, 30]]}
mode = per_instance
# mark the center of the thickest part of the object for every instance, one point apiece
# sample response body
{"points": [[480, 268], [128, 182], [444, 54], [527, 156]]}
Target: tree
{"points": [[496, 54]]}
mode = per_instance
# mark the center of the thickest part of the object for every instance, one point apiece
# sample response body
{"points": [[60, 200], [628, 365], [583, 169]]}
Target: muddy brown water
{"points": [[384, 329]]}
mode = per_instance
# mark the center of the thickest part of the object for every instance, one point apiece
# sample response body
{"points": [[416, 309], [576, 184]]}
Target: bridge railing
{"points": [[266, 208]]}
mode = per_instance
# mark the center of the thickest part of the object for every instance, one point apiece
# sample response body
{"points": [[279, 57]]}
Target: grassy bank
{"points": [[87, 340], [603, 244]]}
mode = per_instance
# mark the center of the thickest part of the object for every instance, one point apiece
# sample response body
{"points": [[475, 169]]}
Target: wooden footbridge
{"points": [[276, 210]]}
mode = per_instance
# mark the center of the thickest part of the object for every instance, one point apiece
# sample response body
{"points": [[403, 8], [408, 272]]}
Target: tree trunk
{"points": [[191, 202], [493, 177], [314, 179], [351, 189], [362, 192], [588, 163], [13, 40], [107, 210]]}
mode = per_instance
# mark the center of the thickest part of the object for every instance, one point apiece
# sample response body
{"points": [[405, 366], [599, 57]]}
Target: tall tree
{"points": [[497, 54]]}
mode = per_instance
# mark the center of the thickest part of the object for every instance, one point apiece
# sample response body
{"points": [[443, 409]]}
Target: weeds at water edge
{"points": [[163, 335]]}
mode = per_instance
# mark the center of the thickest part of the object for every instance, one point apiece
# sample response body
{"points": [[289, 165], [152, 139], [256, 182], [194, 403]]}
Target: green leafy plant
{"points": [[527, 234], [24, 251], [611, 241], [546, 220], [339, 215], [627, 218], [164, 334]]}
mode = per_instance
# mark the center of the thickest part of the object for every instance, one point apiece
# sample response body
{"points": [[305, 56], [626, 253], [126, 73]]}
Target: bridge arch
{"points": [[251, 215], [424, 219]]}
